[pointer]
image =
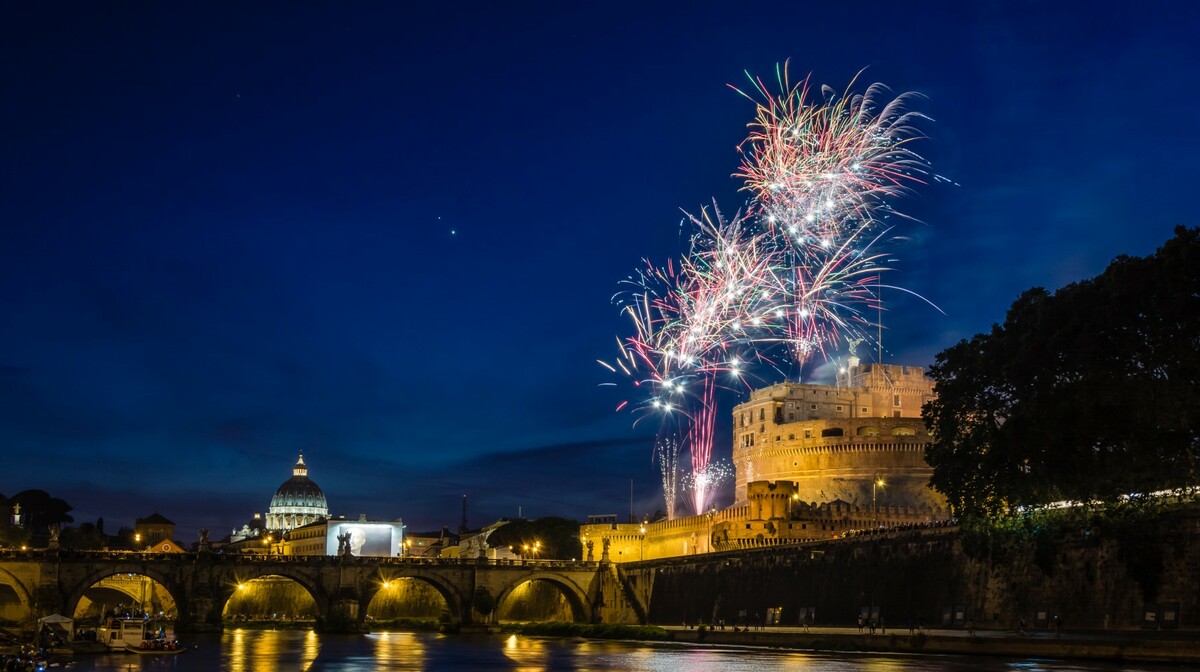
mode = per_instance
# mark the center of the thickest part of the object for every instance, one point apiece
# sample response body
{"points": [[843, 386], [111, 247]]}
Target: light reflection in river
{"points": [[263, 650], [241, 650], [527, 652], [398, 651]]}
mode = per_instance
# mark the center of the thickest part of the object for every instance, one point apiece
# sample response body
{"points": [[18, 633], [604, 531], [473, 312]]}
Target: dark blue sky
{"points": [[388, 235]]}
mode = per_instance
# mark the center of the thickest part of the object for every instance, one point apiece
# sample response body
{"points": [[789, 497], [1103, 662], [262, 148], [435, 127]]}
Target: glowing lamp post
{"points": [[642, 548], [876, 483], [712, 513]]}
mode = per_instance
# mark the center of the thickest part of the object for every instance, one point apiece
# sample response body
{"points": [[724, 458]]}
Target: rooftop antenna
{"points": [[879, 298]]}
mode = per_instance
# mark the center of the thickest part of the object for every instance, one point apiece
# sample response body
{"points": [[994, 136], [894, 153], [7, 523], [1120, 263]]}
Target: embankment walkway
{"points": [[1177, 647]]}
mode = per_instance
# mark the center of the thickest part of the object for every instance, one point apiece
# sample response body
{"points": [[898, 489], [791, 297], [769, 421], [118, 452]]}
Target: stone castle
{"points": [[811, 462]]}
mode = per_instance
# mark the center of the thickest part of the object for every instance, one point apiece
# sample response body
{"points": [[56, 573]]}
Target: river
{"points": [[287, 650]]}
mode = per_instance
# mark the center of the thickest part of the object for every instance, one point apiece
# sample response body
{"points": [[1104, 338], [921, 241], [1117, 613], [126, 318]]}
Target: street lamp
{"points": [[876, 483], [712, 512], [137, 542], [642, 549]]}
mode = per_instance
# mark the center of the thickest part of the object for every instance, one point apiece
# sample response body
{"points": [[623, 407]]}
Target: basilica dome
{"points": [[298, 501]]}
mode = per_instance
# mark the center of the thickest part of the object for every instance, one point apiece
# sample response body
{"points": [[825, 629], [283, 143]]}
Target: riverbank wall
{"points": [[1083, 579]]}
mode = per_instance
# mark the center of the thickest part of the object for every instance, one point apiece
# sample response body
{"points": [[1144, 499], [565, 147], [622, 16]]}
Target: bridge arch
{"points": [[227, 583], [576, 597], [453, 598], [24, 596], [76, 592]]}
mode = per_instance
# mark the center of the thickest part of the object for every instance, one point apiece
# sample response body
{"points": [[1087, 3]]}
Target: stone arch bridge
{"points": [[201, 583]]}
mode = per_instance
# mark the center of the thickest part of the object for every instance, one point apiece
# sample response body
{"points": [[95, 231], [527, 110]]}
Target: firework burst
{"points": [[706, 481], [798, 270], [818, 170], [822, 174]]}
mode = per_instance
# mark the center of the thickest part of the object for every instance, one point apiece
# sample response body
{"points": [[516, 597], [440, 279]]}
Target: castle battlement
{"points": [[812, 462]]}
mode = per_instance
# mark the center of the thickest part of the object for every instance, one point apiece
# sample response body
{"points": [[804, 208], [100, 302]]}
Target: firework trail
{"points": [[666, 448], [700, 440], [695, 324]]}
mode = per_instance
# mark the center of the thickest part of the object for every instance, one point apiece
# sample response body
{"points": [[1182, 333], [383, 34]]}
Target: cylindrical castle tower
{"points": [[860, 441]]}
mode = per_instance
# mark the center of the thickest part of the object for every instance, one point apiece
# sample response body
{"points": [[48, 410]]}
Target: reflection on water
{"points": [[266, 650], [526, 652], [398, 651], [241, 650]]}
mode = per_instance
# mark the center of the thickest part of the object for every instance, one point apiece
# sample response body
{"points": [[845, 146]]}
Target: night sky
{"points": [[388, 234]]}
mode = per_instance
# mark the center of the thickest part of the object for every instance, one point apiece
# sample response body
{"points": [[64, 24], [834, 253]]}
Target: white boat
{"points": [[157, 647], [121, 634]]}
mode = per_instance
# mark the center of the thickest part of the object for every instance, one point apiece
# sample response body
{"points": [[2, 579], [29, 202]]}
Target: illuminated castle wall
{"points": [[806, 457], [834, 441]]}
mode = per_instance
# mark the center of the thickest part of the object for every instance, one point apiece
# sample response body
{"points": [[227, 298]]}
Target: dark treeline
{"points": [[1087, 394]]}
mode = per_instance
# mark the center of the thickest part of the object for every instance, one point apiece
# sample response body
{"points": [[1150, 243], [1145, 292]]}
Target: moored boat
{"points": [[156, 647], [120, 633]]}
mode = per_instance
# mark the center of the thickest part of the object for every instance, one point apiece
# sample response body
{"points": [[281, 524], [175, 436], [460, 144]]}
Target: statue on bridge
{"points": [[343, 544], [53, 536], [590, 545]]}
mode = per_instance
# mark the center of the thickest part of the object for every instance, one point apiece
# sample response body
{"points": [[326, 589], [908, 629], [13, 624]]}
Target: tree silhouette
{"points": [[1090, 393]]}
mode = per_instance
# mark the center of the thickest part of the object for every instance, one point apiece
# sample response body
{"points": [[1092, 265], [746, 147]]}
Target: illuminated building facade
{"points": [[156, 533], [811, 462], [298, 501], [363, 538], [836, 442]]}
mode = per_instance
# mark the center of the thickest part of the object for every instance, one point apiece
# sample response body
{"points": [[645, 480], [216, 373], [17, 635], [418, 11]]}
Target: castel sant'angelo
{"points": [[812, 462]]}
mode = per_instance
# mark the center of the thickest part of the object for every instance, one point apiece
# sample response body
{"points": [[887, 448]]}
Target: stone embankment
{"points": [[1150, 647]]}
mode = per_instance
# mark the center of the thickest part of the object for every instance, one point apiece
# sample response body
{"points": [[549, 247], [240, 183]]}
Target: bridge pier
{"points": [[198, 616], [342, 616]]}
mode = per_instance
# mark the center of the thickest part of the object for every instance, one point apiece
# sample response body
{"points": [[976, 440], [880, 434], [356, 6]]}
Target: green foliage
{"points": [[13, 537], [1144, 531], [86, 537], [559, 537], [1084, 395], [39, 510]]}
